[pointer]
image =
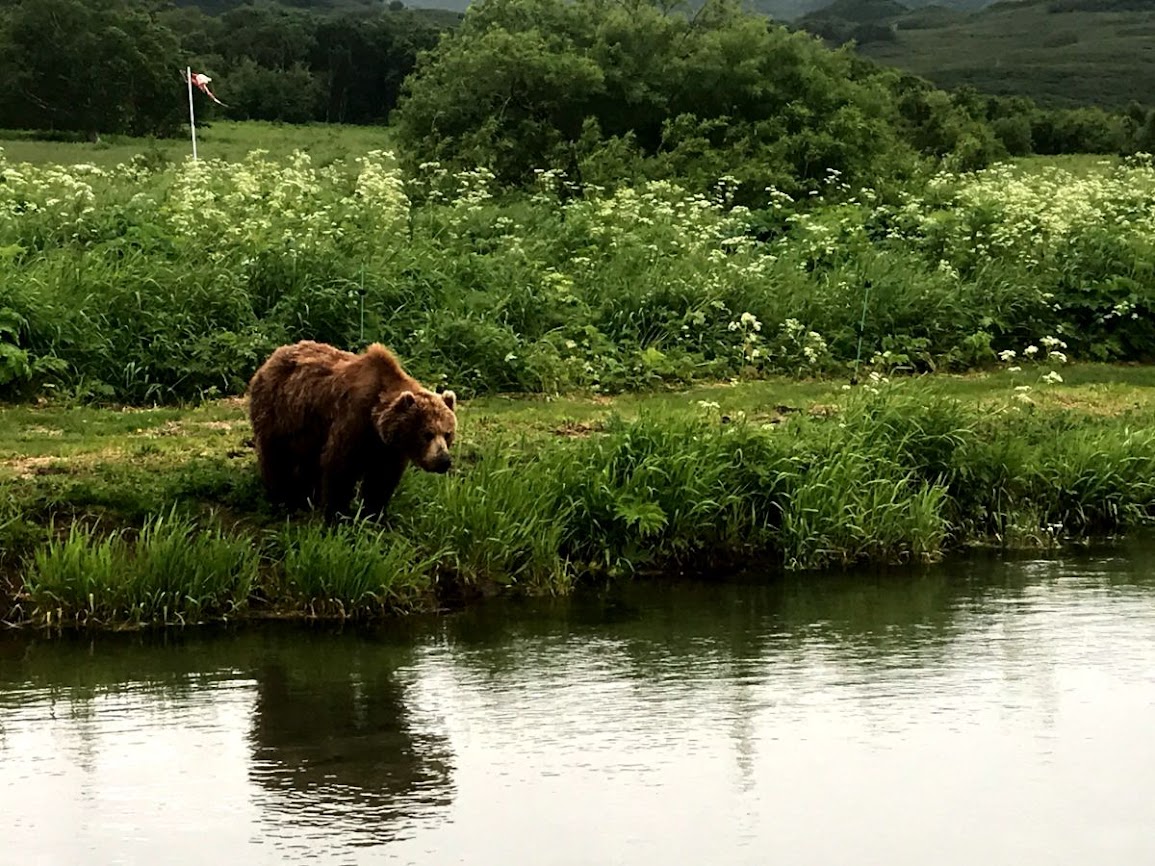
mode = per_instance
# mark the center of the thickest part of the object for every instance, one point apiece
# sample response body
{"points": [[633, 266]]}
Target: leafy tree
{"points": [[89, 66], [259, 93], [522, 83], [1014, 133], [1078, 130], [1145, 135], [361, 62], [270, 35]]}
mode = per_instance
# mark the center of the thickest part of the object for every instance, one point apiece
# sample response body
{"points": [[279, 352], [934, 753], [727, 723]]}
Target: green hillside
{"points": [[1058, 52], [780, 10]]}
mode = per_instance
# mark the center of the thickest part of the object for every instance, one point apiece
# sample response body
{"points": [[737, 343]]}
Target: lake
{"points": [[985, 711]]}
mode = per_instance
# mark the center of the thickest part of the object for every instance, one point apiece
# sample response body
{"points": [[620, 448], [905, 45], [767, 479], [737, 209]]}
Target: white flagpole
{"points": [[191, 118]]}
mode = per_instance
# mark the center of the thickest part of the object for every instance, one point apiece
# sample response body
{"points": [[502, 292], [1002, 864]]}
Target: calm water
{"points": [[976, 714]]}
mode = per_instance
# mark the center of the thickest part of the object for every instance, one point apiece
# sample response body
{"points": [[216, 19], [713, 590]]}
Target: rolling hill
{"points": [[1058, 52], [780, 10]]}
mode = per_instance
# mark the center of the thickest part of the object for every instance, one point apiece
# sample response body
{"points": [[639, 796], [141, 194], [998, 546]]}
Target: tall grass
{"points": [[349, 571], [504, 525], [659, 492], [173, 571], [854, 507]]}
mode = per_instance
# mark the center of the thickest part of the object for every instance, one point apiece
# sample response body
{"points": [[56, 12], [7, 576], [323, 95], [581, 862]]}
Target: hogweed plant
{"points": [[174, 281]]}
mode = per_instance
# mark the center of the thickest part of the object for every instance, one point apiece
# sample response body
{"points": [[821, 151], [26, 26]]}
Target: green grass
{"points": [[218, 139], [678, 388], [350, 570], [173, 571], [1076, 164], [549, 495]]}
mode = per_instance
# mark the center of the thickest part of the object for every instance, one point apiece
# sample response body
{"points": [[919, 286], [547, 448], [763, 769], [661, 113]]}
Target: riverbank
{"points": [[123, 517]]}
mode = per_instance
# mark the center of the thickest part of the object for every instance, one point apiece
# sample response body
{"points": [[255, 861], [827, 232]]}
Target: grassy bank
{"points": [[117, 517]]}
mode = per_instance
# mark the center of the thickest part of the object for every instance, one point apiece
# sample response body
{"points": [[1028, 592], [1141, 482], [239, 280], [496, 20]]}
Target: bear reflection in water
{"points": [[342, 754]]}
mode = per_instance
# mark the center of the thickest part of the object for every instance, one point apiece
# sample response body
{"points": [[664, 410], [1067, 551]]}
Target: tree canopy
{"points": [[524, 85], [113, 66], [96, 66], [604, 90]]}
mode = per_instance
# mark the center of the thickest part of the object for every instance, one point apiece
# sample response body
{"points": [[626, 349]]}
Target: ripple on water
{"points": [[993, 714]]}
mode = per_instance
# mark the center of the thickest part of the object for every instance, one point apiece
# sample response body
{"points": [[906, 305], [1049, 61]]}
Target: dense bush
{"points": [[173, 284], [531, 84]]}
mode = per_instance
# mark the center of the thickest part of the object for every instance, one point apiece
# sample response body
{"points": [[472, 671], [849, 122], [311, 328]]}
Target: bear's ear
{"points": [[406, 400], [450, 399]]}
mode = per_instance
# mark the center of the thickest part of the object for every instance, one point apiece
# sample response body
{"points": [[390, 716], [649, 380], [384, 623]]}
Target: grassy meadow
{"points": [[216, 139], [654, 380]]}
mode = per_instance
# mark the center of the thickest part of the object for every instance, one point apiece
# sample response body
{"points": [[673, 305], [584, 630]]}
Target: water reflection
{"points": [[990, 712], [335, 747]]}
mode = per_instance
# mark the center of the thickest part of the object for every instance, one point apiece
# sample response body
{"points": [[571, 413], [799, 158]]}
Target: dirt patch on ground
{"points": [[1100, 405], [576, 430], [185, 428], [30, 467]]}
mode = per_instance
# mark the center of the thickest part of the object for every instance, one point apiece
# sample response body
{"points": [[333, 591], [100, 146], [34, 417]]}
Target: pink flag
{"points": [[201, 81]]}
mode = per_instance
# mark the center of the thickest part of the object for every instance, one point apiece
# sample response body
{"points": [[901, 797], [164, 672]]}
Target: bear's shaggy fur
{"points": [[324, 419]]}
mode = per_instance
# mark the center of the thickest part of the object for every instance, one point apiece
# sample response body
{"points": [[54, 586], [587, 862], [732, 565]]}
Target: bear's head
{"points": [[422, 425]]}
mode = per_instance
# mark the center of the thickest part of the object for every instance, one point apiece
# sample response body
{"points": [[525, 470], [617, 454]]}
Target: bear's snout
{"points": [[442, 463]]}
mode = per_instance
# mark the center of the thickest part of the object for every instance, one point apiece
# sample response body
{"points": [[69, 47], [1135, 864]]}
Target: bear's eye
{"points": [[428, 436]]}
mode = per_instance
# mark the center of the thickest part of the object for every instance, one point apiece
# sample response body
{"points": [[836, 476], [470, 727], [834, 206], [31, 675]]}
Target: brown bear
{"points": [[324, 419]]}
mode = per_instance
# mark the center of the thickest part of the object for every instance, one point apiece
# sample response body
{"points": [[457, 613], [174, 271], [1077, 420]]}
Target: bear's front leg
{"points": [[277, 465], [338, 480], [378, 486]]}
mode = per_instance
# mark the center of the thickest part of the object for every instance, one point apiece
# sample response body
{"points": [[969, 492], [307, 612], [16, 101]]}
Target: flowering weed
{"points": [[170, 282]]}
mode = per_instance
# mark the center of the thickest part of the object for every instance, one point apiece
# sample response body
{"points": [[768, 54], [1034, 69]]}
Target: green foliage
{"points": [[654, 493], [119, 61], [268, 62], [174, 283], [173, 571], [531, 84], [350, 570], [505, 526], [14, 364]]}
